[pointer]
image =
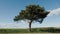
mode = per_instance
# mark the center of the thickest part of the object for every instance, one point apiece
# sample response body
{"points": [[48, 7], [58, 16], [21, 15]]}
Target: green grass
{"points": [[29, 33], [34, 30], [13, 30]]}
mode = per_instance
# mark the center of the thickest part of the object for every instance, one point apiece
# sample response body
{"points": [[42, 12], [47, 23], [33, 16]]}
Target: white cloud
{"points": [[13, 25], [54, 12]]}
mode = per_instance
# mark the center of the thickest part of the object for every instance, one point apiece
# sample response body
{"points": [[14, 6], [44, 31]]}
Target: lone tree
{"points": [[32, 13]]}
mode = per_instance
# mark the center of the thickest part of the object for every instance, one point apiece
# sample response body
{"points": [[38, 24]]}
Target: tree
{"points": [[32, 13]]}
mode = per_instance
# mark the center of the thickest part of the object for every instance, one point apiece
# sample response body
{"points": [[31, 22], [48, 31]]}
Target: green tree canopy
{"points": [[33, 13]]}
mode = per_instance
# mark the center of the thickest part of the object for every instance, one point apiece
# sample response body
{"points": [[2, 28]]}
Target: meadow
{"points": [[29, 33], [34, 30]]}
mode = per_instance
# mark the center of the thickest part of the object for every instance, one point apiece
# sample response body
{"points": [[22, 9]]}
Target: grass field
{"points": [[34, 30], [29, 33]]}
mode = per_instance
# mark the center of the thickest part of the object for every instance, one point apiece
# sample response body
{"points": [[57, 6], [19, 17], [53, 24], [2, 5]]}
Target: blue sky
{"points": [[10, 8]]}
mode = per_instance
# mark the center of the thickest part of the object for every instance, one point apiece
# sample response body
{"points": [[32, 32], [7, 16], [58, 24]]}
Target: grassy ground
{"points": [[29, 33], [34, 30]]}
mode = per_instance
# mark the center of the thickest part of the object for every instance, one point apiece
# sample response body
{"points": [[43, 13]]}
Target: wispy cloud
{"points": [[13, 25], [54, 12]]}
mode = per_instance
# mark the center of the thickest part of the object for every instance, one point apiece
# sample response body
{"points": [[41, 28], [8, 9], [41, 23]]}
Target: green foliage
{"points": [[32, 12]]}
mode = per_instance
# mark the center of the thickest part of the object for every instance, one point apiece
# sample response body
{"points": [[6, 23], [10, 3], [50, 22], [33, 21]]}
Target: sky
{"points": [[10, 8]]}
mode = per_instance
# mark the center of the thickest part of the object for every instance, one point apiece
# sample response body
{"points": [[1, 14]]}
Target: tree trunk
{"points": [[30, 25]]}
